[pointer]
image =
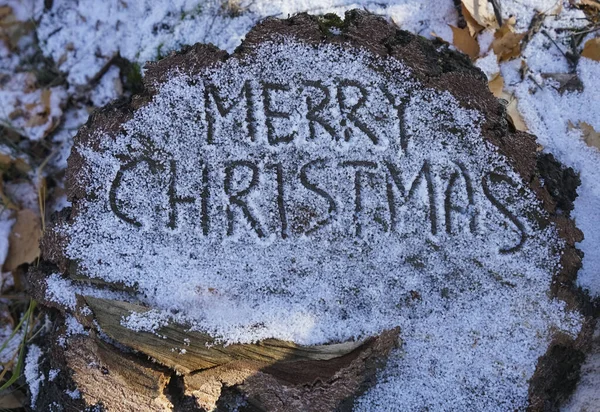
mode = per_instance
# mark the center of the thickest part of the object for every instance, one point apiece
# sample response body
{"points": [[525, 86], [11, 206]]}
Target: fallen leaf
{"points": [[24, 240], [474, 27], [591, 50], [463, 41], [5, 11], [591, 3], [5, 161], [567, 82], [496, 86], [40, 117], [590, 136], [507, 43], [11, 401], [7, 202], [479, 11]]}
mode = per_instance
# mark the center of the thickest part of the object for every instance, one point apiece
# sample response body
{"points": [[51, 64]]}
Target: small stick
{"points": [[497, 11]]}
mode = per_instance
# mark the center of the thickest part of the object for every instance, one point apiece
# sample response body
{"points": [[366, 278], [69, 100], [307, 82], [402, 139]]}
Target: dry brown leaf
{"points": [[496, 86], [591, 3], [5, 161], [24, 240], [479, 11], [5, 11], [474, 27], [590, 136], [463, 41], [40, 117], [11, 400], [11, 30], [567, 82], [507, 43], [7, 202], [591, 50]]}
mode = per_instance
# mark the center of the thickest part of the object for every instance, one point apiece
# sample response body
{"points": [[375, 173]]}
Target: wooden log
{"points": [[175, 368]]}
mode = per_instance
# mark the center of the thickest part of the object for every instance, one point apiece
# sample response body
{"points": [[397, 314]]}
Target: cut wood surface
{"points": [[183, 350]]}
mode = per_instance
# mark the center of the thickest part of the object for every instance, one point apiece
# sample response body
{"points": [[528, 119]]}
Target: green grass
{"points": [[26, 322]]}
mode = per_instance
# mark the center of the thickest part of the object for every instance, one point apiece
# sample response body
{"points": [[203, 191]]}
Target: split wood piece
{"points": [[273, 375], [296, 386], [186, 351], [119, 382]]}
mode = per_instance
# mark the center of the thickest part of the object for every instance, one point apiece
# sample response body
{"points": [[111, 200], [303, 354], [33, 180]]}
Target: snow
{"points": [[12, 345], [346, 286], [25, 102], [33, 376], [74, 394], [143, 30], [64, 292], [587, 394], [52, 374], [108, 89], [74, 327], [6, 224], [489, 65], [548, 115], [82, 37]]}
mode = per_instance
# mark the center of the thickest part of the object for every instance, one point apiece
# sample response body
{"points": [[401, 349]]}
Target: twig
{"points": [[534, 27], [461, 23], [497, 11], [572, 59]]}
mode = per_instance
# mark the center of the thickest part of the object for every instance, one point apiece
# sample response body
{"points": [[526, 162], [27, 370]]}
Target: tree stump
{"points": [[269, 229]]}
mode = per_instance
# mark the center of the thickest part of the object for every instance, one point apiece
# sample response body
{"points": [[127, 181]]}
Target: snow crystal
{"points": [[473, 309], [489, 65], [33, 376], [84, 35], [52, 374], [6, 224], [74, 394], [64, 292], [548, 114], [74, 327]]}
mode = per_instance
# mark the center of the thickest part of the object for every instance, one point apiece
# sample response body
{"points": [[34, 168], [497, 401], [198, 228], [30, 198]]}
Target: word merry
{"points": [[347, 97]]}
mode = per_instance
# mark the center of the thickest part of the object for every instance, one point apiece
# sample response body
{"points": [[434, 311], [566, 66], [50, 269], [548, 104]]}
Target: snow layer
{"points": [[33, 376], [474, 319], [586, 397], [551, 116], [6, 224], [85, 34]]}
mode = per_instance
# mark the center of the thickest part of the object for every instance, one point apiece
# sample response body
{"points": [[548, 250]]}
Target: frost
{"points": [[74, 394], [64, 292], [52, 374], [6, 224], [83, 34], [74, 327], [33, 376], [467, 285]]}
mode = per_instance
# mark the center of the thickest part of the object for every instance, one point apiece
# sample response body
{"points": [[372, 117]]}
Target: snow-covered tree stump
{"points": [[338, 215]]}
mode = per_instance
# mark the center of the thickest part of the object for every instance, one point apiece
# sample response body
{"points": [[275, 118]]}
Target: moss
{"points": [[159, 54], [131, 75], [330, 21], [561, 181], [556, 376]]}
